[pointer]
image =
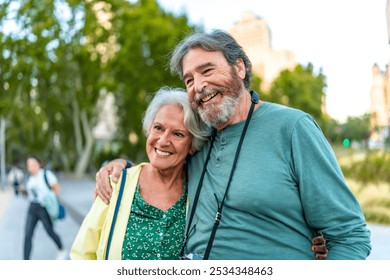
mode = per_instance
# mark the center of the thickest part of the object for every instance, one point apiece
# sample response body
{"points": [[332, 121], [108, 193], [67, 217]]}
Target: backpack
{"points": [[52, 204]]}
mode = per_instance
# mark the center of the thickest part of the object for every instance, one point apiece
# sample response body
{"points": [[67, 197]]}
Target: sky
{"points": [[343, 37]]}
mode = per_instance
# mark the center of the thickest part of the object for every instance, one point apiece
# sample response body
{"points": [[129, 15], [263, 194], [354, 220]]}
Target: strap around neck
{"points": [[254, 101]]}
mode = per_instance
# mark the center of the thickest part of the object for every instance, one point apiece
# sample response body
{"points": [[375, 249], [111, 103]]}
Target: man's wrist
{"points": [[128, 164]]}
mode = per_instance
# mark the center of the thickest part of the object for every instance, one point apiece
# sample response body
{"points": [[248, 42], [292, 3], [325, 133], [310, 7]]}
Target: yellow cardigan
{"points": [[91, 240]]}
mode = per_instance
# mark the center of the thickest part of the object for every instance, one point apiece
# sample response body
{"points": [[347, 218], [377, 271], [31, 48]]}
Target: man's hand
{"points": [[319, 247], [103, 186]]}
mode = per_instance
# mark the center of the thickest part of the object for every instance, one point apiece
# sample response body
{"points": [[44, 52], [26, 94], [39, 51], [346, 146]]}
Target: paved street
{"points": [[77, 195]]}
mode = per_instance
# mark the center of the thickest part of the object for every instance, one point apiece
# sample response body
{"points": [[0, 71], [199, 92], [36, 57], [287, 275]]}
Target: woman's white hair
{"points": [[177, 96]]}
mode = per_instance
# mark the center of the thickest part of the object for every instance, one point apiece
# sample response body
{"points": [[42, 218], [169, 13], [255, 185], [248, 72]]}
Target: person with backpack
{"points": [[37, 189]]}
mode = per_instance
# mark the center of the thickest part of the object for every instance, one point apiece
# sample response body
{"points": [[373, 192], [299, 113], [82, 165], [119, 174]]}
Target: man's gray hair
{"points": [[217, 40], [176, 96]]}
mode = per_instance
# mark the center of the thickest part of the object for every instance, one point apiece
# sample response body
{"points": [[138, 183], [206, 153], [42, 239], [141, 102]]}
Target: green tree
{"points": [[63, 57], [333, 131], [300, 88], [21, 65], [144, 35], [256, 83], [357, 128]]}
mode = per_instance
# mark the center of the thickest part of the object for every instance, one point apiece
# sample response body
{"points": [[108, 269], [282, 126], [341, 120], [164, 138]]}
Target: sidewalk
{"points": [[77, 195]]}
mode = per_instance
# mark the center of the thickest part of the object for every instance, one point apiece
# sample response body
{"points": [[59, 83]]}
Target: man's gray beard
{"points": [[220, 115]]}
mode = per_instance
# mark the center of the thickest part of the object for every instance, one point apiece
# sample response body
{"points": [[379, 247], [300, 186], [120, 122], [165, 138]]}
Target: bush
{"points": [[377, 210], [369, 179], [374, 168]]}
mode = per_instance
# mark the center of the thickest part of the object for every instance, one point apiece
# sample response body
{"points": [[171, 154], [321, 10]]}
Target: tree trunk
{"points": [[84, 159], [76, 125]]}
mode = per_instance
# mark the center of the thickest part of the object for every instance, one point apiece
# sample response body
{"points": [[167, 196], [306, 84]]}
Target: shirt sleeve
{"points": [[86, 243], [328, 204]]}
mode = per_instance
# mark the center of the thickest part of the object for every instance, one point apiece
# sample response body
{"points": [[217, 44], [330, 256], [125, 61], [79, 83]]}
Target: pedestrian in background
{"points": [[16, 178], [37, 188]]}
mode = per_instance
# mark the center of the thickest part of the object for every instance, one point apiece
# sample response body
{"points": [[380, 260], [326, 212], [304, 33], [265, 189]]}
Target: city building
{"points": [[380, 104], [380, 98], [254, 35]]}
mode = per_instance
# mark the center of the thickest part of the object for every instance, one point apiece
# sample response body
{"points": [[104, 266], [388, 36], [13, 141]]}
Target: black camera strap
{"points": [[218, 215]]}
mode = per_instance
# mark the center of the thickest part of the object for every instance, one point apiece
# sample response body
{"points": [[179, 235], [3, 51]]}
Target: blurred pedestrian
{"points": [[16, 178], [37, 188]]}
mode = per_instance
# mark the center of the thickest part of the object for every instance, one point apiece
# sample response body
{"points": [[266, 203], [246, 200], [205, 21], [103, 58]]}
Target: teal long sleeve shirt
{"points": [[287, 186]]}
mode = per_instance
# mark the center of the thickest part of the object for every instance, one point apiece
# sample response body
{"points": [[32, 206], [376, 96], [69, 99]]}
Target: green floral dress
{"points": [[153, 234]]}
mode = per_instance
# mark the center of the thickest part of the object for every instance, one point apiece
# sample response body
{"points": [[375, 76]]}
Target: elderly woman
{"points": [[150, 222]]}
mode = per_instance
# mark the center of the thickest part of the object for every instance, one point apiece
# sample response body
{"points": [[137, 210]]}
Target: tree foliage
{"points": [[300, 88], [60, 58], [357, 128], [140, 65]]}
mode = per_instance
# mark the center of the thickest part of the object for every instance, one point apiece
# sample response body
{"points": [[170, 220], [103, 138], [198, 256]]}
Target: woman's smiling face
{"points": [[169, 142]]}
